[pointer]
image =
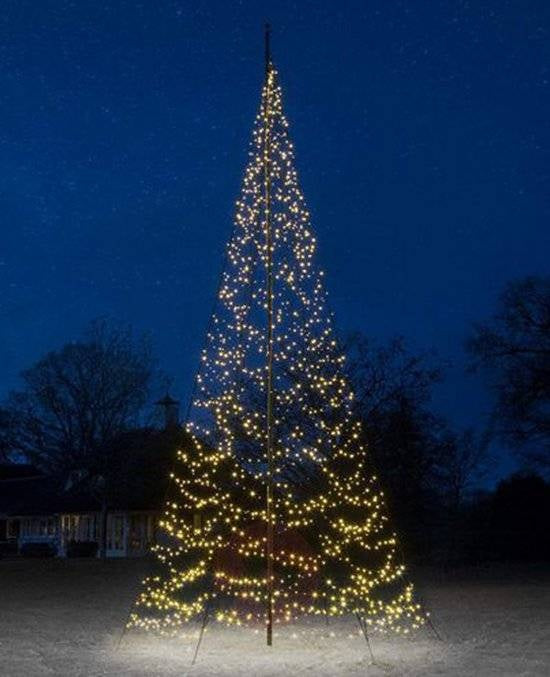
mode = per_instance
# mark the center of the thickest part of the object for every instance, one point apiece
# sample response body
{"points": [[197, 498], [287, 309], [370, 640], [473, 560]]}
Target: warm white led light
{"points": [[334, 551]]}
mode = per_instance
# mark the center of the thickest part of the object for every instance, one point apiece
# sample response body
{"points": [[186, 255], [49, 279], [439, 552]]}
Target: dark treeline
{"points": [[84, 412], [433, 474], [84, 418]]}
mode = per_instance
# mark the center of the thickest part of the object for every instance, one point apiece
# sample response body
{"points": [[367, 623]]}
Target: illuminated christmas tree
{"points": [[274, 514]]}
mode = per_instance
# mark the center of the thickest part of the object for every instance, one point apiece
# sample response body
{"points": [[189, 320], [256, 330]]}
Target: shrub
{"points": [[38, 550]]}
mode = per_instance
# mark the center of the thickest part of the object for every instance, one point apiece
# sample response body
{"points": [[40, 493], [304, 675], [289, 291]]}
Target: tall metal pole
{"points": [[269, 365]]}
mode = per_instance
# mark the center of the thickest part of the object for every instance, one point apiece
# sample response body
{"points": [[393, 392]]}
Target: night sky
{"points": [[421, 131]]}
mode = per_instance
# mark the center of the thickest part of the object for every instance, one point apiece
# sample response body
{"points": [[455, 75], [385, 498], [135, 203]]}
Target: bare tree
{"points": [[427, 469], [75, 400], [462, 464], [514, 350], [392, 393], [6, 446], [383, 375]]}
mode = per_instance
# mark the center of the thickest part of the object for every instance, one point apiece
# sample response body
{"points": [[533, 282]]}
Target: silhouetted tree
{"points": [[462, 463], [385, 375], [392, 392], [427, 469], [76, 401], [6, 442], [514, 349], [519, 518]]}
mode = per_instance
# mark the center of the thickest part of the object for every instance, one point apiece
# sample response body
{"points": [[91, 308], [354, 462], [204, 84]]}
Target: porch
{"points": [[129, 533]]}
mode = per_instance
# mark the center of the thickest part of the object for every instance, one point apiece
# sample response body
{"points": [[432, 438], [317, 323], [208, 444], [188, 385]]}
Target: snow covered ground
{"points": [[65, 618]]}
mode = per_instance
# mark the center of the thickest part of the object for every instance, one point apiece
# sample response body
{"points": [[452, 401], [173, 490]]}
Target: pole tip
{"points": [[267, 38]]}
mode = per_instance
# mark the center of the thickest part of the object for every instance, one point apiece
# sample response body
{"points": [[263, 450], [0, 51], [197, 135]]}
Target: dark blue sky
{"points": [[422, 137]]}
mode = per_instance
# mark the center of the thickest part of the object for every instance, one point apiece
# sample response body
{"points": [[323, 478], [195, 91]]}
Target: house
{"points": [[42, 514], [39, 516]]}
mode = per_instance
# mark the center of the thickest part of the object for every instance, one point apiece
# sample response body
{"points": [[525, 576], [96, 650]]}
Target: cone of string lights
{"points": [[273, 512]]}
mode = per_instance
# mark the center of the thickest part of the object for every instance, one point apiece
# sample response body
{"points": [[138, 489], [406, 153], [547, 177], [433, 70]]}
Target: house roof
{"points": [[44, 495], [137, 481], [26, 496]]}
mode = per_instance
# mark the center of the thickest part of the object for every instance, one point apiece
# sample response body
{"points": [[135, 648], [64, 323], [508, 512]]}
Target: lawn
{"points": [[65, 617]]}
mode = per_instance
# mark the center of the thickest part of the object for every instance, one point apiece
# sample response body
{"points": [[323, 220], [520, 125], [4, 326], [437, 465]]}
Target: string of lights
{"points": [[334, 550]]}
